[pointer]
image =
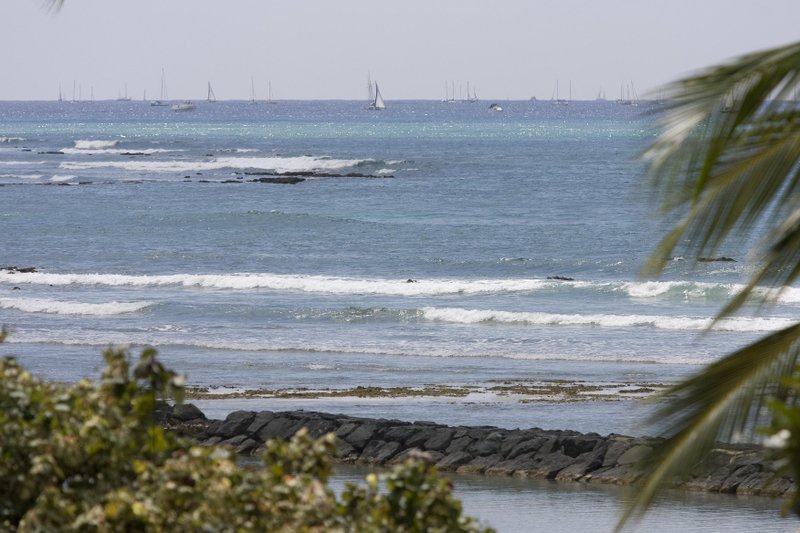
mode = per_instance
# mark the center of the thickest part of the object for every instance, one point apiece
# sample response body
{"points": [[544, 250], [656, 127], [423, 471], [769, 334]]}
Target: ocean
{"points": [[431, 245], [477, 267]]}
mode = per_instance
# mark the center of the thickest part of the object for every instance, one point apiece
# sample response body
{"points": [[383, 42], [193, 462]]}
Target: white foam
{"points": [[477, 316], [36, 305], [20, 163], [385, 171], [62, 177], [282, 282], [95, 145], [277, 164], [114, 151], [11, 139]]}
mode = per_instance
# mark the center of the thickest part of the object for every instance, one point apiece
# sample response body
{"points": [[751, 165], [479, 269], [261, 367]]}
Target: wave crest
{"points": [[59, 307]]}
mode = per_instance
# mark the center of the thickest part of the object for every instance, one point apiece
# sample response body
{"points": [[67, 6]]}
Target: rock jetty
{"points": [[522, 453]]}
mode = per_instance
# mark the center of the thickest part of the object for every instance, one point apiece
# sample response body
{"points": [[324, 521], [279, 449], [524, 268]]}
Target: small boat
{"points": [[211, 98], [270, 100], [377, 103], [495, 107], [186, 105], [162, 100]]}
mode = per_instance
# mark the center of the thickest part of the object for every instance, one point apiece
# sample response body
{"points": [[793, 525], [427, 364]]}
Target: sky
{"points": [[326, 49]]}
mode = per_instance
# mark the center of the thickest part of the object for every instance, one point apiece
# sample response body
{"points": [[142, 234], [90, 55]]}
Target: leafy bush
{"points": [[90, 457]]}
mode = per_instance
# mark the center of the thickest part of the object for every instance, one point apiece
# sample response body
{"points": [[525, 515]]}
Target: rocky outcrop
{"points": [[522, 453]]}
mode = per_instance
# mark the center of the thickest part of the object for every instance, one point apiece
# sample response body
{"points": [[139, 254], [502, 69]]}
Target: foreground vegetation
{"points": [[91, 457]]}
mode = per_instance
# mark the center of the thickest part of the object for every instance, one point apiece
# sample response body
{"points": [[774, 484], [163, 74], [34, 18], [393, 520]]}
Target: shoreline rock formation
{"points": [[558, 455]]}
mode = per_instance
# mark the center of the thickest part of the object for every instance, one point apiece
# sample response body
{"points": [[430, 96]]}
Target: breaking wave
{"points": [[477, 316], [276, 164], [683, 290], [95, 145], [36, 305], [281, 282]]}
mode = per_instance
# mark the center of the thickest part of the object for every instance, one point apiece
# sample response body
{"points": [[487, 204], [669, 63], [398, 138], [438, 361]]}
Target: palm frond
{"points": [[727, 172], [53, 5], [724, 399]]}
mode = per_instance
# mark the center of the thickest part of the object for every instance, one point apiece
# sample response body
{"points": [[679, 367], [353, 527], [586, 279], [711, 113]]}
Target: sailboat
{"points": [[60, 97], [125, 97], [252, 91], [269, 94], [162, 99], [211, 98], [561, 101], [377, 103]]}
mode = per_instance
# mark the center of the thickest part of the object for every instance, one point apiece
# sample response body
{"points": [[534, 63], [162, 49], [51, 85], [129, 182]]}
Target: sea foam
{"points": [[478, 316], [95, 145], [282, 282], [276, 164], [36, 305]]}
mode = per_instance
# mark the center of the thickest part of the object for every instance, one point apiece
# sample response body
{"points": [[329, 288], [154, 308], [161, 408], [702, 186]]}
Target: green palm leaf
{"points": [[719, 403], [727, 165]]}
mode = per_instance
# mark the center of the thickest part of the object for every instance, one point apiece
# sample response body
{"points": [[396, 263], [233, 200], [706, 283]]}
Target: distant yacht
{"points": [[124, 97], [162, 99], [211, 98], [560, 101], [376, 103], [252, 91], [270, 100], [495, 107], [186, 105]]}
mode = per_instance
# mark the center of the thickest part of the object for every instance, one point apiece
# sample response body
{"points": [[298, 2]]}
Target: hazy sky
{"points": [[325, 48]]}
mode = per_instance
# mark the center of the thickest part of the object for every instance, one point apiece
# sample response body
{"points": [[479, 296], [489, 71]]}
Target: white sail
{"points": [[211, 96], [378, 103]]}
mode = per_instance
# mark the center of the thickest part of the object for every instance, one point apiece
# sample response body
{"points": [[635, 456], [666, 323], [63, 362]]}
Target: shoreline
{"points": [[558, 455]]}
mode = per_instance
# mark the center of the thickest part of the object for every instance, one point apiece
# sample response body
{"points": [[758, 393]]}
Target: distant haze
{"points": [[325, 49]]}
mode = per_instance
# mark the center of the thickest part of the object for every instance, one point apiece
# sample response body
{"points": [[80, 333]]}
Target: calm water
{"points": [[144, 229], [521, 506]]}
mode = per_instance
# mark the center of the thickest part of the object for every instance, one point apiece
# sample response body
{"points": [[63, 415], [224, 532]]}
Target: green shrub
{"points": [[90, 457]]}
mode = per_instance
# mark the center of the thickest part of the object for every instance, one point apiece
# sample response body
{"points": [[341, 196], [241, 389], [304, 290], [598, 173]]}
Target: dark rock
{"points": [[420, 437], [615, 449], [344, 450], [713, 259], [261, 419], [235, 423], [634, 454], [561, 278], [361, 435], [458, 444], [574, 446], [286, 180], [453, 460], [439, 440], [525, 447], [186, 412], [731, 484], [545, 466], [346, 428], [247, 447], [234, 441], [479, 465], [400, 433], [279, 428], [484, 447], [378, 452]]}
